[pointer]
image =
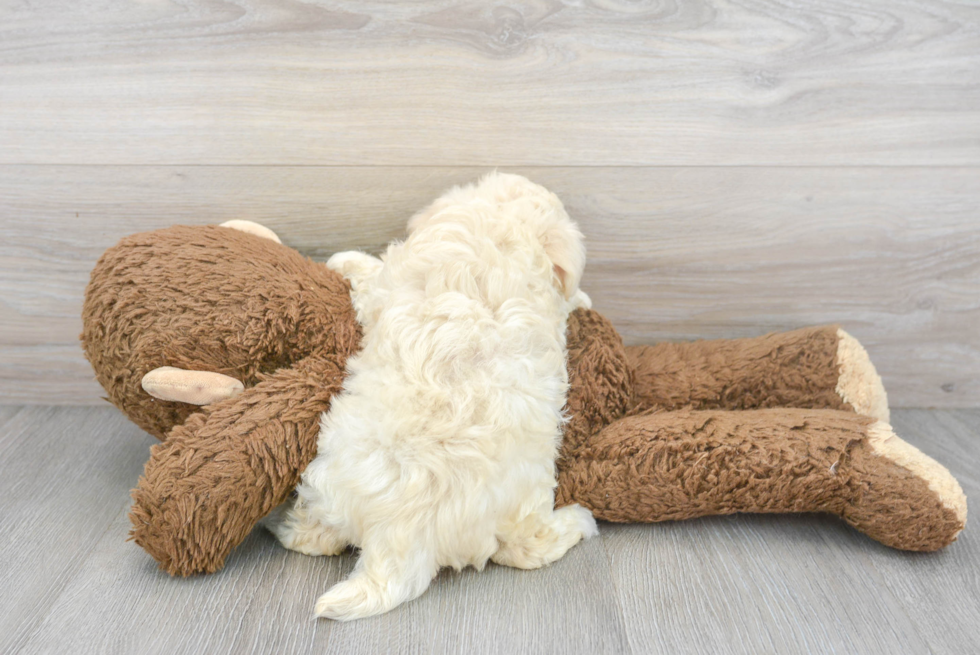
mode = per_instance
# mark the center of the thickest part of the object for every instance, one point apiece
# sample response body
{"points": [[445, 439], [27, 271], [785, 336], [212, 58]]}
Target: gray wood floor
{"points": [[745, 584]]}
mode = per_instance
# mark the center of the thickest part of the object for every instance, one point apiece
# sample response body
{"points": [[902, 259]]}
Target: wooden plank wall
{"points": [[738, 167]]}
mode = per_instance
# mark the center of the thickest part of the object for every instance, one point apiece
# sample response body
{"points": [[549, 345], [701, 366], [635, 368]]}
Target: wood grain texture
{"points": [[786, 584], [64, 477], [674, 253], [925, 583], [738, 584], [263, 603], [753, 584], [527, 82], [116, 601]]}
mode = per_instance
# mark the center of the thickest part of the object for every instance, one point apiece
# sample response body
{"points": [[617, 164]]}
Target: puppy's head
{"points": [[515, 199]]}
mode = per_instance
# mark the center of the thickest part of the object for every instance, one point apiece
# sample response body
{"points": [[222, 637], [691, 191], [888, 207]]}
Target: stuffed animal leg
{"points": [[681, 464], [818, 367]]}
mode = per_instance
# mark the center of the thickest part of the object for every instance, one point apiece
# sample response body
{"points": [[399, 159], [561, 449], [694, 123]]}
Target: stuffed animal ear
{"points": [[192, 387], [564, 245]]}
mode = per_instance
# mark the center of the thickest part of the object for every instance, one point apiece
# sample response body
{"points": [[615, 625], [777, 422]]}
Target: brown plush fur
{"points": [[788, 369], [212, 299], [651, 434], [689, 463]]}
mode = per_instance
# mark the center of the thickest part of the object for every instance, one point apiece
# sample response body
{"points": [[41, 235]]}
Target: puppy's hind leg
{"points": [[383, 578], [543, 537], [295, 528]]}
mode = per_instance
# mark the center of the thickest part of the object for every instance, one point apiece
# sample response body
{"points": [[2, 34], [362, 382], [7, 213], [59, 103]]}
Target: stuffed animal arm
{"points": [[789, 422]]}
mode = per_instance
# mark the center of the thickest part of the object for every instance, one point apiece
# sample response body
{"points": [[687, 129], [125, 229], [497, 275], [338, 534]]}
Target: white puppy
{"points": [[441, 449]]}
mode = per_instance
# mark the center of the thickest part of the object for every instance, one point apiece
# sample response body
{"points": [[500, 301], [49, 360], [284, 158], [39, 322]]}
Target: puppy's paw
{"points": [[296, 530], [354, 598], [580, 299], [313, 543], [578, 519], [354, 265], [541, 539]]}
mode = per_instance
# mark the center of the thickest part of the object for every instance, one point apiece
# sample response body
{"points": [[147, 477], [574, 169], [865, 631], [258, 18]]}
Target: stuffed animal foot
{"points": [[686, 463], [898, 495], [858, 383]]}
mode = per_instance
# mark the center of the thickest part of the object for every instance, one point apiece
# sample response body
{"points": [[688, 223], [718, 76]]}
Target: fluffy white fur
{"points": [[441, 449]]}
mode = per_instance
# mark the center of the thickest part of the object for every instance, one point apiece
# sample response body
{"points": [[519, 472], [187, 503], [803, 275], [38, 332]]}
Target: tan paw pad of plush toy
{"points": [[243, 342]]}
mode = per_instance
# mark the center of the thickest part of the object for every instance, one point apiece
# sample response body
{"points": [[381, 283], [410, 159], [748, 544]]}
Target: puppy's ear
{"points": [[565, 247]]}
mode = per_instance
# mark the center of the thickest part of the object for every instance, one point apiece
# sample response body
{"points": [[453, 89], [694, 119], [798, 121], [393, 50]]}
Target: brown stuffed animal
{"points": [[793, 422]]}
